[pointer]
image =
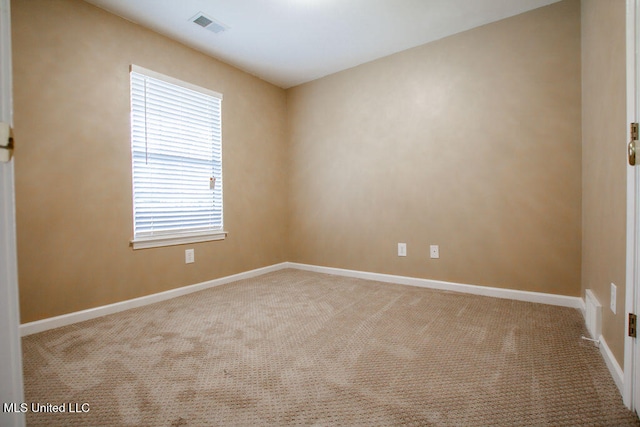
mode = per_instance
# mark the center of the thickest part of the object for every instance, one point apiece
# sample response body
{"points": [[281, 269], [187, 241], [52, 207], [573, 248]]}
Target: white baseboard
{"points": [[615, 370], [611, 362], [536, 297], [92, 313]]}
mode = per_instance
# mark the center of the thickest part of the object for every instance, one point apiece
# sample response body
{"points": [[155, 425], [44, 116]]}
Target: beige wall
{"points": [[604, 161], [472, 142], [73, 180]]}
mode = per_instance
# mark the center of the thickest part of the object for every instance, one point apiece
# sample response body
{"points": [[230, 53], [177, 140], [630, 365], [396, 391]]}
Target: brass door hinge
{"points": [[6, 142], [633, 144], [633, 321]]}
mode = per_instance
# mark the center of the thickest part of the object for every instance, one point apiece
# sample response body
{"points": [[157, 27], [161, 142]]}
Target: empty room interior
{"points": [[413, 239]]}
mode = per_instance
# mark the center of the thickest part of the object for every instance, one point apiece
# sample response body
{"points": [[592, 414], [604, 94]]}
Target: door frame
{"points": [[11, 380], [631, 384]]}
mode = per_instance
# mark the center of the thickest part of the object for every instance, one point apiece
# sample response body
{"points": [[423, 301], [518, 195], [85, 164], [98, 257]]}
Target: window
{"points": [[176, 151]]}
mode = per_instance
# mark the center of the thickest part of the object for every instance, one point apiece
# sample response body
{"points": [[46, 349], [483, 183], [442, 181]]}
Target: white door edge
{"points": [[11, 381], [631, 383]]}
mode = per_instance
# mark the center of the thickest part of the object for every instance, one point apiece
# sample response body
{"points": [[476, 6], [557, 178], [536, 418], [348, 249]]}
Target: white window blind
{"points": [[176, 146]]}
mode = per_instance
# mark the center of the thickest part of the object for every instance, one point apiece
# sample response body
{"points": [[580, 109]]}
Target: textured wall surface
{"points": [[73, 163], [604, 177], [471, 142]]}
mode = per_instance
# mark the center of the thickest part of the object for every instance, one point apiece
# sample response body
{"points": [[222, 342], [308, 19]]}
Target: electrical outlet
{"points": [[189, 256], [434, 251], [612, 301], [402, 249]]}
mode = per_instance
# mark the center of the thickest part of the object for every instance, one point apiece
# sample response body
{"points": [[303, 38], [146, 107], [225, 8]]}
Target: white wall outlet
{"points": [[189, 256], [402, 249], [612, 302], [434, 251]]}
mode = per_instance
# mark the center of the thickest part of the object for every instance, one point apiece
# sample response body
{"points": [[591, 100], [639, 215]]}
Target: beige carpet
{"points": [[300, 348]]}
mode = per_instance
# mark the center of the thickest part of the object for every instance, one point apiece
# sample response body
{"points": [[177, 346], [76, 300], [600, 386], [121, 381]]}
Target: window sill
{"points": [[176, 239]]}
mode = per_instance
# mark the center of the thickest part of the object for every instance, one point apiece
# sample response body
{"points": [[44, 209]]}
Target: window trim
{"points": [[180, 238], [154, 74], [176, 239]]}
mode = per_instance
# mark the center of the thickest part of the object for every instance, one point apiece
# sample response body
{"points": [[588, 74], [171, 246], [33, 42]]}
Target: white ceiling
{"points": [[288, 42]]}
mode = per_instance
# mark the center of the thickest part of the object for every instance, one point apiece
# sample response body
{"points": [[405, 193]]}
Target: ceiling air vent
{"points": [[209, 23]]}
